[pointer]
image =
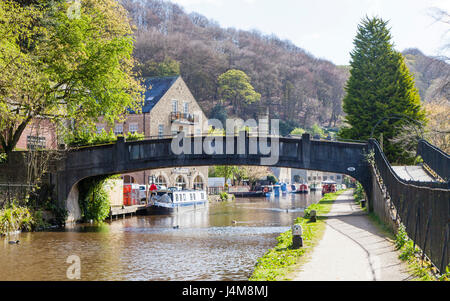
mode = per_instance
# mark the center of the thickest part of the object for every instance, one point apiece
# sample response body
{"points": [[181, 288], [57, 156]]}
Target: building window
{"points": [[100, 128], [128, 179], [185, 107], [161, 181], [174, 106], [160, 130], [118, 129], [133, 127], [180, 182], [198, 182], [34, 142]]}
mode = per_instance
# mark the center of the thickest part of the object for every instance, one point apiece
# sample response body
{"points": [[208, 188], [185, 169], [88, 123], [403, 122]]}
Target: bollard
{"points": [[297, 240], [312, 215], [363, 203]]}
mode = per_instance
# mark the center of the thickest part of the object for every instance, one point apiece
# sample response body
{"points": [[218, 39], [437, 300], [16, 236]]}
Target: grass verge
{"points": [[278, 263]]}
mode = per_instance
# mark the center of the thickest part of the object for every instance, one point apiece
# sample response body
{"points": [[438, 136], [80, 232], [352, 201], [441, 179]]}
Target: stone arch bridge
{"points": [[123, 157]]}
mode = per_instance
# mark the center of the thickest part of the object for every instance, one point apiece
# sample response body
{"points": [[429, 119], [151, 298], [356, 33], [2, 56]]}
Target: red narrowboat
{"points": [[328, 186]]}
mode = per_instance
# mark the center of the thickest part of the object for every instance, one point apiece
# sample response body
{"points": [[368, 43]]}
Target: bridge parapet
{"points": [[435, 158], [422, 207]]}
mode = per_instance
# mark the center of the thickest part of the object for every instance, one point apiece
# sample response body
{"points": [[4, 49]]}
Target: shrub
{"points": [[15, 218], [223, 196], [2, 157], [94, 199], [134, 137]]}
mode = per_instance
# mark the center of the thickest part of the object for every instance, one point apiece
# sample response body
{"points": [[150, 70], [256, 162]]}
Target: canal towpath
{"points": [[352, 249]]}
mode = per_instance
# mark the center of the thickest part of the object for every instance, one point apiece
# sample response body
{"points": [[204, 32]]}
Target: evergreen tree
{"points": [[380, 87]]}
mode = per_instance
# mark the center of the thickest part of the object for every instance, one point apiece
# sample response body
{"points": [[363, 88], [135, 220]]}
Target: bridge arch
{"points": [[302, 153]]}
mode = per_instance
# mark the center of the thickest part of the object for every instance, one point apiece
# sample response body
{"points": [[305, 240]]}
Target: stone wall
{"points": [[382, 205]]}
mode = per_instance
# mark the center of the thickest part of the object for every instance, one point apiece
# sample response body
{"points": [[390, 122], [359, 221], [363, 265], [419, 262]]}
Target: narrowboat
{"points": [[293, 188], [328, 186], [172, 201], [268, 190], [302, 188]]}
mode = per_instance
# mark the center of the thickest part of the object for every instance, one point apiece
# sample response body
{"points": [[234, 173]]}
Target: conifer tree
{"points": [[380, 88]]}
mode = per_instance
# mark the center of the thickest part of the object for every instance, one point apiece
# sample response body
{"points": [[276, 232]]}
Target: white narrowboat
{"points": [[172, 201]]}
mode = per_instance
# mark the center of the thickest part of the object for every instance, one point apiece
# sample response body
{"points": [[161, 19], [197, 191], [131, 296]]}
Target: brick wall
{"points": [[40, 132]]}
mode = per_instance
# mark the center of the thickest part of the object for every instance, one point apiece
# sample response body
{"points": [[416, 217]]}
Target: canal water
{"points": [[220, 242]]}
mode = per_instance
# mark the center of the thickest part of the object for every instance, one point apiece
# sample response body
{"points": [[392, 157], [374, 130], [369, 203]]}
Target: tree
{"points": [[234, 87], [226, 171], [298, 131], [168, 67], [380, 86], [60, 64], [255, 173]]}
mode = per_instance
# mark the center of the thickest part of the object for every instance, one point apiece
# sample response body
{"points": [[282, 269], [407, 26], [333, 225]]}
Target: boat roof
{"points": [[328, 182]]}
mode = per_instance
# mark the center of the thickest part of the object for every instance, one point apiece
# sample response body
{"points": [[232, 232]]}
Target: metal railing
{"points": [[424, 211], [435, 158]]}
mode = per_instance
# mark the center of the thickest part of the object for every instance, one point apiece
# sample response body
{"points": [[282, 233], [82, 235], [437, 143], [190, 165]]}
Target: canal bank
{"points": [[353, 248], [282, 260]]}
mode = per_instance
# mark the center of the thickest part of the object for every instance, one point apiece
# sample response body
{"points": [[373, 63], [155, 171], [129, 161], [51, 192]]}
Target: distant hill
{"points": [[432, 75], [295, 86]]}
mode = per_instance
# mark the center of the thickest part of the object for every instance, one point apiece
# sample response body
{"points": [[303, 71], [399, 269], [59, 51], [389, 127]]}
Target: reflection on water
{"points": [[221, 242]]}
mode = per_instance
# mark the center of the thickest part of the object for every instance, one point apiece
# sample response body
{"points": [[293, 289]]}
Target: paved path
{"points": [[413, 173], [352, 248]]}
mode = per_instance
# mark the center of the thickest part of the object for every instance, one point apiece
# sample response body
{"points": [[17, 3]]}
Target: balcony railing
{"points": [[183, 117]]}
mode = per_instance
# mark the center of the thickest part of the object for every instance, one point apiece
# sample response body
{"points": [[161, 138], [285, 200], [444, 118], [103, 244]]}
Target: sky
{"points": [[326, 28]]}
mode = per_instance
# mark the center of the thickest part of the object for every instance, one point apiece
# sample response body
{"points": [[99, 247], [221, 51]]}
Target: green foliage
{"points": [[85, 137], [287, 126], [168, 67], [317, 130], [226, 171], [219, 112], [272, 179], [380, 85], [134, 137], [298, 131], [62, 67], [359, 192], [94, 199], [401, 238], [223, 196], [15, 218], [276, 263], [234, 87], [3, 157]]}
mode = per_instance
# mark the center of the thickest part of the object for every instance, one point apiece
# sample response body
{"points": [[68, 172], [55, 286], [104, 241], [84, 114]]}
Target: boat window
{"points": [[194, 195], [190, 196], [203, 195], [176, 196], [184, 197]]}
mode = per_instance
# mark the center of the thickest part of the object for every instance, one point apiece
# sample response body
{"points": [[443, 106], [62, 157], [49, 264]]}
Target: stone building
{"points": [[313, 176], [168, 108]]}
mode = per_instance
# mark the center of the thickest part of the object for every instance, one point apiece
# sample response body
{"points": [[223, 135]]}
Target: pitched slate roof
{"points": [[155, 88]]}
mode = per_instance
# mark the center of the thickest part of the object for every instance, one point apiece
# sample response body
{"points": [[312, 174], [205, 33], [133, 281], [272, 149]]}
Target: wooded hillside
{"points": [[295, 86]]}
